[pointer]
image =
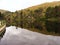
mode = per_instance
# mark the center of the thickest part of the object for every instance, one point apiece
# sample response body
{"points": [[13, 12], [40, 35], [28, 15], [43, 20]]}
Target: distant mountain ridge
{"points": [[3, 11], [44, 5]]}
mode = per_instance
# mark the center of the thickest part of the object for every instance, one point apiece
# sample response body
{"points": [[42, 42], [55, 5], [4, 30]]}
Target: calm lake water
{"points": [[21, 36]]}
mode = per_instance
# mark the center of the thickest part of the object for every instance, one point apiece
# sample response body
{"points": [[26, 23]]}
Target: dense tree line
{"points": [[39, 18], [53, 16]]}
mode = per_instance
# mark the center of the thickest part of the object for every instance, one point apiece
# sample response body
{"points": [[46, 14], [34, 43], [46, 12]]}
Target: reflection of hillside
{"points": [[21, 36], [44, 18]]}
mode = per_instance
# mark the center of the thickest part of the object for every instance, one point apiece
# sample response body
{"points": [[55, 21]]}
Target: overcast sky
{"points": [[13, 5]]}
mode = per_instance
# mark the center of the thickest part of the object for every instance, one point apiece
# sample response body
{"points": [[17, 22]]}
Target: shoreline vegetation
{"points": [[2, 25], [44, 18], [2, 30]]}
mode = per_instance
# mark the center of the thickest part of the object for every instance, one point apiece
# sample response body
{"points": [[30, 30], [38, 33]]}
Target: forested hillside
{"points": [[43, 18]]}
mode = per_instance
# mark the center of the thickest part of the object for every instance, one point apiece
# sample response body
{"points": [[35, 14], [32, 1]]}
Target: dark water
{"points": [[20, 36]]}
